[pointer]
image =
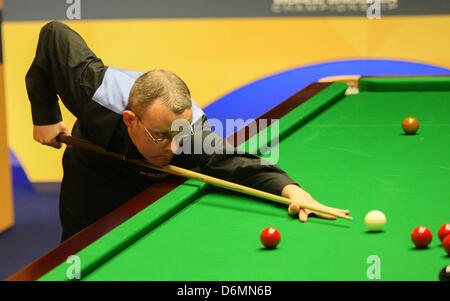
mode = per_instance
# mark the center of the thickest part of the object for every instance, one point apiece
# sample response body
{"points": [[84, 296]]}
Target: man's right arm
{"points": [[64, 66]]}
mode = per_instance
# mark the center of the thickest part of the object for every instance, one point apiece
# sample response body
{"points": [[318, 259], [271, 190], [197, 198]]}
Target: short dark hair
{"points": [[160, 83]]}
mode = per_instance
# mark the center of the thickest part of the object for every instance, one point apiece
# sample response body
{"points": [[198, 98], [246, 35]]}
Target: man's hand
{"points": [[46, 134], [294, 192]]}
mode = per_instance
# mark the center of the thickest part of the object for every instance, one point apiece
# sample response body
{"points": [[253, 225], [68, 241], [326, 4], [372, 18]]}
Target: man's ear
{"points": [[129, 118]]}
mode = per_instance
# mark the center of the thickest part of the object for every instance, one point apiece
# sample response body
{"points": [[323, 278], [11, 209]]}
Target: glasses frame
{"points": [[162, 140]]}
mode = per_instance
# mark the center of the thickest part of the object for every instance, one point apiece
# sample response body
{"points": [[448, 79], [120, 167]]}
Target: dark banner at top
{"points": [[24, 10]]}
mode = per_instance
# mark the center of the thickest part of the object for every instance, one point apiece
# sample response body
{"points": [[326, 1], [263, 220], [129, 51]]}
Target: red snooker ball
{"points": [[410, 125], [446, 244], [444, 230], [270, 237], [421, 237]]}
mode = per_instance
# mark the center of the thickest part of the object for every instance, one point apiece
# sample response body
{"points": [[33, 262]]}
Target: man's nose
{"points": [[171, 147]]}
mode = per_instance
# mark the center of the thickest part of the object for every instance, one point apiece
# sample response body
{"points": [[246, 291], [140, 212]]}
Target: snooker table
{"points": [[347, 150]]}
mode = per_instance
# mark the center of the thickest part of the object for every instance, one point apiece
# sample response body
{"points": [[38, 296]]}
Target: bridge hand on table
{"points": [[294, 192], [303, 213]]}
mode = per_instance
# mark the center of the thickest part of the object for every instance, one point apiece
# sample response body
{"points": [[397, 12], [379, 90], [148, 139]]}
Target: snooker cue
{"points": [[178, 171]]}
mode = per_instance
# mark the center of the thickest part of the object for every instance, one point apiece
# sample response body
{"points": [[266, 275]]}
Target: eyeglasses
{"points": [[165, 139]]}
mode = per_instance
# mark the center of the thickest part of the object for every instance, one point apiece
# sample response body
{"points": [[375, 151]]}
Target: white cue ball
{"points": [[375, 220]]}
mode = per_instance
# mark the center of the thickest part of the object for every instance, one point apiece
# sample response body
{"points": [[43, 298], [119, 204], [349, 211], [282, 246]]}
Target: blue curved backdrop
{"points": [[256, 98]]}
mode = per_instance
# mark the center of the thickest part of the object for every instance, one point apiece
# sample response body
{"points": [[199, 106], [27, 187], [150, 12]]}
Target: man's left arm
{"points": [[249, 170], [252, 171]]}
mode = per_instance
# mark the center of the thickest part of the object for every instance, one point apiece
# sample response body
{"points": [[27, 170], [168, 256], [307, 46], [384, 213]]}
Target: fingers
{"points": [[46, 134], [326, 216], [293, 209], [329, 216], [303, 215], [53, 144], [65, 132], [343, 211]]}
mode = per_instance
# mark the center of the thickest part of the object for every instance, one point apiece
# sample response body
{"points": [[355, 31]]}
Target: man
{"points": [[129, 113]]}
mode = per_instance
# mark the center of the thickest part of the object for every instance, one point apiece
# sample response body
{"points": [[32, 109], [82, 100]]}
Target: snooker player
{"points": [[129, 113]]}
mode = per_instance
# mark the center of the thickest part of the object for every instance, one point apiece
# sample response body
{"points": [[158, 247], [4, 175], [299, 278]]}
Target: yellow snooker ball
{"points": [[375, 220]]}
